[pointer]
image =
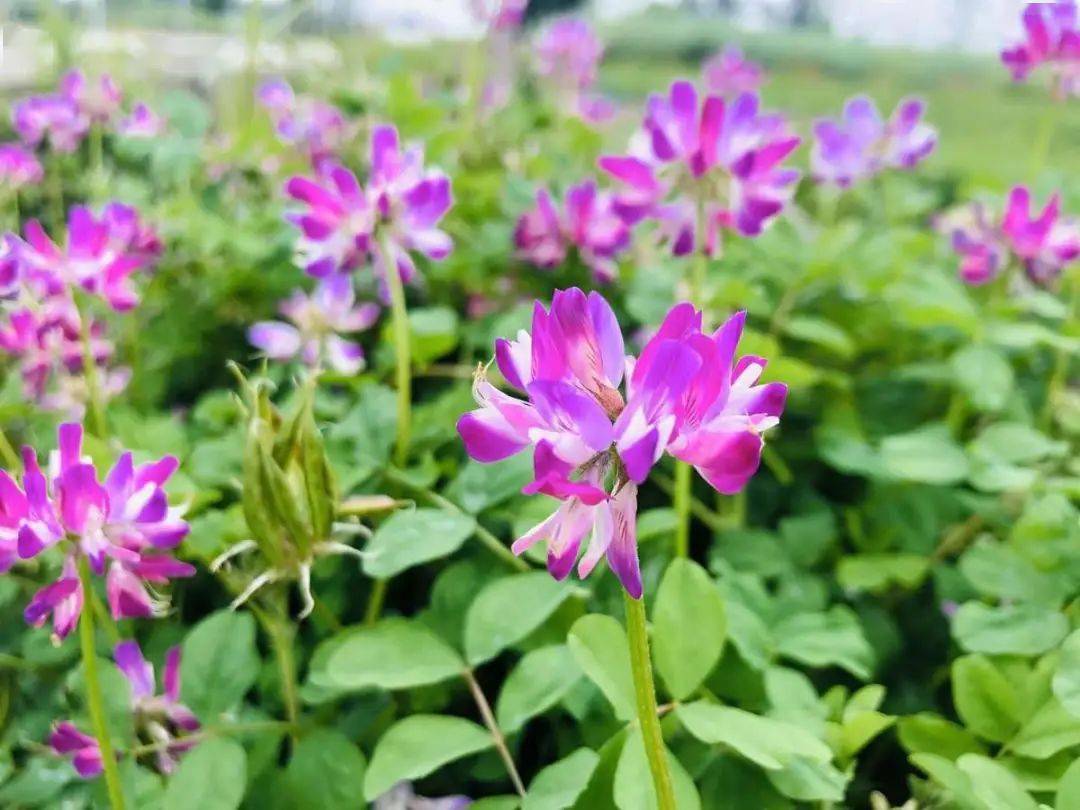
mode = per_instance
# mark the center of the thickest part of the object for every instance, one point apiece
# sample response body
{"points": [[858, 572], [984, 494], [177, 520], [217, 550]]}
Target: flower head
{"points": [[320, 129], [66, 740], [862, 144], [18, 167], [500, 15], [593, 443], [98, 101], [726, 155], [1051, 38], [336, 224], [569, 52], [588, 223], [316, 321], [403, 797], [123, 527], [141, 123], [54, 119], [729, 73]]}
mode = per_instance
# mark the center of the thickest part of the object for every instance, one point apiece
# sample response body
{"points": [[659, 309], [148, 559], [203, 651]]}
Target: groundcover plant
{"points": [[480, 437]]}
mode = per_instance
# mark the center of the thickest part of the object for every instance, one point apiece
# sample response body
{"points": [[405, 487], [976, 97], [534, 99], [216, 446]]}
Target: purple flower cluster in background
{"points": [[568, 55], [594, 439], [1051, 38], [730, 74], [862, 144], [18, 167], [317, 128]]}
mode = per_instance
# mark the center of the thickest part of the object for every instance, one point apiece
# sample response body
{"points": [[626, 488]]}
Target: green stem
{"points": [[496, 734], [1044, 138], [56, 197], [281, 635], [10, 457], [107, 621], [645, 692], [375, 602], [93, 693], [699, 510], [95, 406], [400, 316], [97, 161], [681, 497], [700, 265]]}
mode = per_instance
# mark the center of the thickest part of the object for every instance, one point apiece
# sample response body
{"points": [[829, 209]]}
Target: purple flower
{"points": [[862, 144], [727, 155], [1052, 38], [141, 123], [1045, 243], [55, 119], [729, 74], [316, 320], [978, 241], [568, 52], [589, 223], [320, 129], [500, 15], [18, 167], [10, 266], [123, 527], [99, 101], [403, 797], [686, 394], [160, 720], [337, 224]]}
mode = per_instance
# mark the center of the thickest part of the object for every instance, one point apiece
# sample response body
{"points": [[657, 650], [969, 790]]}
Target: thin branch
{"points": [[493, 727]]}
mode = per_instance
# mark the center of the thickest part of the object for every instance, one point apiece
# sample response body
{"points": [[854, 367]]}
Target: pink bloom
{"points": [[1045, 243], [122, 527], [979, 243], [729, 154], [55, 119], [1052, 38], [589, 223], [85, 754], [99, 101], [320, 129], [18, 167], [316, 320], [568, 52], [141, 123], [337, 223], [10, 266], [686, 394], [500, 15], [863, 145], [729, 74]]}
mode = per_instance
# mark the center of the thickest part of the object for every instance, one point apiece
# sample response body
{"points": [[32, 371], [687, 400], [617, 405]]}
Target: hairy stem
{"points": [[645, 692], [403, 370], [496, 734], [281, 635], [94, 701]]}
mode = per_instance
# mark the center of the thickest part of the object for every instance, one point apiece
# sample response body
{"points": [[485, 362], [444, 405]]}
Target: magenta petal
{"points": [[139, 673], [171, 676], [488, 438], [622, 554]]}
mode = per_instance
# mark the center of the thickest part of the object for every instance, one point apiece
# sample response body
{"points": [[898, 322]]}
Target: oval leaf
{"points": [[600, 648], [685, 650], [413, 537], [393, 654], [509, 609]]}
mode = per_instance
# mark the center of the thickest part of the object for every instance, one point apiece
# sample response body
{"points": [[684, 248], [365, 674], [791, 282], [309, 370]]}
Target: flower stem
{"points": [[375, 602], [95, 406], [496, 734], [681, 500], [281, 636], [97, 161], [93, 693], [645, 692], [400, 316]]}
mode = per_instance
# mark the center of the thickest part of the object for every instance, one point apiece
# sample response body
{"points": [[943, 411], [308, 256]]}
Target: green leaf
{"points": [[418, 745], [326, 771], [1008, 630], [1050, 730], [539, 681], [749, 635], [600, 789], [1015, 443], [984, 375], [414, 537], [927, 455], [393, 654], [685, 652], [807, 780], [994, 785], [507, 610], [1068, 792], [599, 646], [211, 776], [985, 700], [770, 743], [480, 486], [433, 332], [859, 728], [877, 573], [558, 785], [1066, 683], [834, 638], [996, 570], [949, 776], [929, 733], [822, 333], [634, 789], [219, 663]]}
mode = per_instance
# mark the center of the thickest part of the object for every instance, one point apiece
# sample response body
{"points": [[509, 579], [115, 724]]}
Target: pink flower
{"points": [[589, 224], [568, 52], [686, 394], [336, 225], [123, 527], [1052, 38], [729, 74], [85, 753], [500, 15], [863, 145], [728, 155], [18, 167], [316, 320], [55, 119], [320, 129], [141, 123], [99, 101]]}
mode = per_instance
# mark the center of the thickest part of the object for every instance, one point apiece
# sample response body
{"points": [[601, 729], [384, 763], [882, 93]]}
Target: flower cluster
{"points": [[730, 74], [686, 394], [161, 721], [568, 53], [1042, 244], [711, 167], [343, 223], [18, 167], [863, 145], [500, 15], [122, 528], [320, 129], [588, 223], [1052, 38]]}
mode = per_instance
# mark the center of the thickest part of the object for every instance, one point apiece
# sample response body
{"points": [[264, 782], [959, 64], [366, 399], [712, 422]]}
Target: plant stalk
{"points": [[281, 636], [10, 457], [375, 602], [95, 406], [94, 701], [403, 370], [681, 498], [645, 692], [496, 734]]}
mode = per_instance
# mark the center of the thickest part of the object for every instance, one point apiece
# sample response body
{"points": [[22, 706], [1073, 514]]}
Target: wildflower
{"points": [[18, 167], [10, 266], [978, 241], [316, 320], [686, 394], [99, 101], [724, 159], [122, 528], [161, 721], [863, 145], [141, 123], [337, 223], [500, 15], [54, 119], [320, 129], [589, 223], [729, 74], [403, 797], [1052, 38], [568, 54]]}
